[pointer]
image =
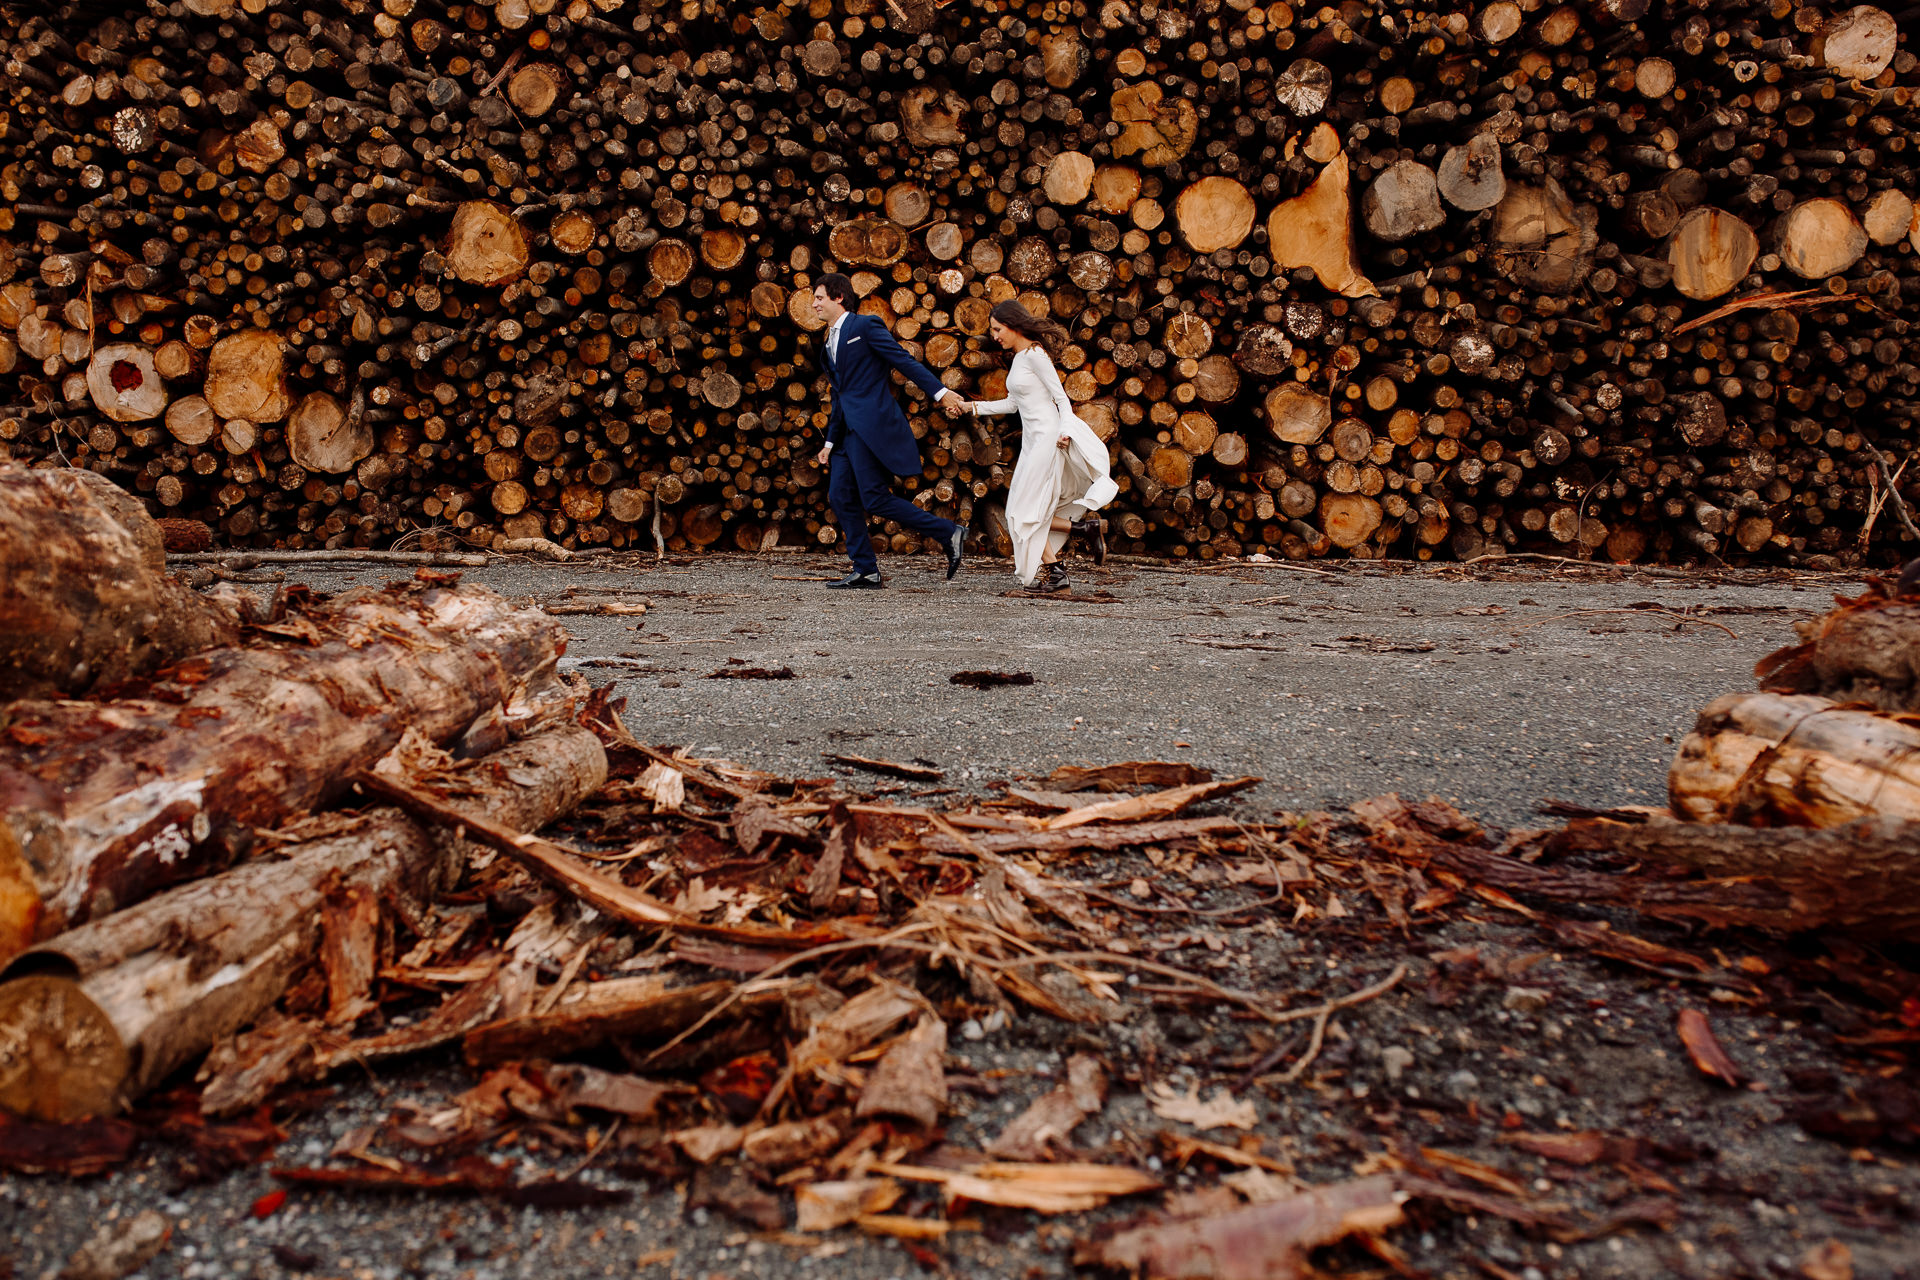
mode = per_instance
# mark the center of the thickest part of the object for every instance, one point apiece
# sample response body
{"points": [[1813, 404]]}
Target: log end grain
{"points": [[1214, 213], [486, 245], [60, 1058], [247, 377]]}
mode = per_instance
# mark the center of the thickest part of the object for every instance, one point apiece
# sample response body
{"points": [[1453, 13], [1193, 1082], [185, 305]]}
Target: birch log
{"points": [[111, 801], [100, 1014]]}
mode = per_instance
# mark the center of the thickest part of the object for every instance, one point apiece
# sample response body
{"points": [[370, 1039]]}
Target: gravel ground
{"points": [[1492, 690], [1480, 689]]}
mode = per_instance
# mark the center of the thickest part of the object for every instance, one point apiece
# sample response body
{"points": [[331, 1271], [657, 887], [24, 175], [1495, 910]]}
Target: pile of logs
{"points": [[122, 805], [1622, 279]]}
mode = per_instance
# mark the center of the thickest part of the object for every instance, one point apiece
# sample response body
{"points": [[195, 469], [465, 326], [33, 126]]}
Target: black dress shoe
{"points": [[1094, 530], [954, 546], [857, 582]]}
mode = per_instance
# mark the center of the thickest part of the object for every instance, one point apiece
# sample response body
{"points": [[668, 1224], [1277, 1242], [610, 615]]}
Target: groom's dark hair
{"points": [[839, 288]]}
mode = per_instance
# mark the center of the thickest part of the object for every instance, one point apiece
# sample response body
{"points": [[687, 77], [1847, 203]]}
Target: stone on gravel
{"points": [[119, 1248]]}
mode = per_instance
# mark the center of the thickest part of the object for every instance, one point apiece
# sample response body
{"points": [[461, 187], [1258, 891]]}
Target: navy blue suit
{"points": [[871, 439]]}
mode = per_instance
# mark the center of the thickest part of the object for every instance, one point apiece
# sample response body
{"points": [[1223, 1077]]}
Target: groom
{"points": [[868, 439]]}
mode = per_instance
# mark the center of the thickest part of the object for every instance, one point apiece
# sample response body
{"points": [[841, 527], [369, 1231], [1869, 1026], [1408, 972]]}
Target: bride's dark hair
{"points": [[1046, 332]]}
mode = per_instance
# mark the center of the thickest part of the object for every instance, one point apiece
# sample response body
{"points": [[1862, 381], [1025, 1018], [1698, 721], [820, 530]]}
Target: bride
{"points": [[1061, 477]]}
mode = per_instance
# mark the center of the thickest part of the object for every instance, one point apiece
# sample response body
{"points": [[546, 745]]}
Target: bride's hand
{"points": [[1064, 443]]}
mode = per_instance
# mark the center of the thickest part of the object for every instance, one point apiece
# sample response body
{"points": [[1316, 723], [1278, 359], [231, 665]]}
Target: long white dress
{"points": [[1048, 481]]}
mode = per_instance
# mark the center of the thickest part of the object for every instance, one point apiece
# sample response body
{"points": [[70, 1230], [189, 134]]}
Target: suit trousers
{"points": [[860, 488]]}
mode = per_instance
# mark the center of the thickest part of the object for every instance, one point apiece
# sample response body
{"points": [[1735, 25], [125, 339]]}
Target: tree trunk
{"points": [[85, 599], [101, 1014], [1820, 238], [1711, 252], [112, 801], [1402, 202], [1315, 230]]}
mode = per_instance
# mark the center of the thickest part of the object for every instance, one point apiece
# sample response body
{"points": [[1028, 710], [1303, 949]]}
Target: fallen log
{"points": [[85, 599], [1861, 877], [102, 1013], [112, 801], [1773, 760]]}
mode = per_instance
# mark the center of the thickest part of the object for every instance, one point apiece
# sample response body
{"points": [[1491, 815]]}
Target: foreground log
{"points": [[103, 1013], [85, 599], [1863, 877], [1772, 760], [112, 801]]}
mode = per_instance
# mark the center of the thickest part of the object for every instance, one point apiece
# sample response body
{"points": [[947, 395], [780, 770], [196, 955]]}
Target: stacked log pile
{"points": [[1624, 279]]}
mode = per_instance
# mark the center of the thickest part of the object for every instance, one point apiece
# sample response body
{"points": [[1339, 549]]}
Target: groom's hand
{"points": [[826, 451]]}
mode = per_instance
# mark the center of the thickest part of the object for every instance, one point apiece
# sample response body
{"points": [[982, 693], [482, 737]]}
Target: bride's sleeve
{"points": [[1050, 378], [993, 408]]}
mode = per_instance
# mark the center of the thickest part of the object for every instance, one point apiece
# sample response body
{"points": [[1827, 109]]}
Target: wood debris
{"points": [[764, 989], [1259, 1242], [917, 772], [990, 679]]}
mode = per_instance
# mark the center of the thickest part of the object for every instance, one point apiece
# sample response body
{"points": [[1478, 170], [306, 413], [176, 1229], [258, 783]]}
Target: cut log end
{"points": [[1213, 214], [60, 1058], [486, 245]]}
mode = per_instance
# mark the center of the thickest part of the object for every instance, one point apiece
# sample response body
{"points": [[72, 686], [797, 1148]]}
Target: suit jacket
{"points": [[863, 402]]}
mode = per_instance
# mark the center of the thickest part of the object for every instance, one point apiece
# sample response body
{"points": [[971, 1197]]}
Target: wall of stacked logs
{"points": [[1630, 279]]}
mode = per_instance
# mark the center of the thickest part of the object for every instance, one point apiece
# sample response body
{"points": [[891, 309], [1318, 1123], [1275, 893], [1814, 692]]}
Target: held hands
{"points": [[955, 407]]}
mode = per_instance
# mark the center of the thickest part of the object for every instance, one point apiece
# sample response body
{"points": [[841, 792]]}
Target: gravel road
{"points": [[1493, 690]]}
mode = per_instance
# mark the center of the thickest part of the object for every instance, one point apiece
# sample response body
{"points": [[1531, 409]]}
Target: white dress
{"points": [[1048, 481]]}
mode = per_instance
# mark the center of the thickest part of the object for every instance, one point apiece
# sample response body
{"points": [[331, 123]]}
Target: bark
{"points": [[102, 1013], [1867, 651], [114, 800], [1861, 877], [85, 599]]}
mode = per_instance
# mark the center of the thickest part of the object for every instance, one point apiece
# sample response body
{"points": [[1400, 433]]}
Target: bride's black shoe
{"points": [[1094, 530], [1050, 579]]}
